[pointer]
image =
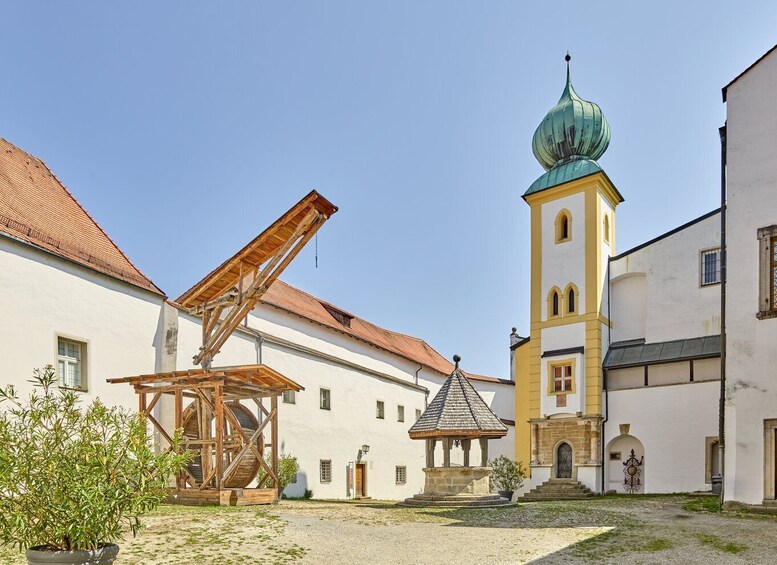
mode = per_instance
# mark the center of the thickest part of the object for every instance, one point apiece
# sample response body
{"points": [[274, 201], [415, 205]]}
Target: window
{"points": [[767, 303], [400, 413], [289, 397], [325, 471], [711, 458], [710, 266], [561, 376], [294, 479], [401, 475], [606, 228], [417, 414], [563, 226], [325, 399], [379, 413], [571, 297], [554, 302], [71, 366]]}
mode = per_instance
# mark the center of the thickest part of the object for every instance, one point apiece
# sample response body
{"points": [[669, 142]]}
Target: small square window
{"points": [[615, 456], [710, 267], [325, 399], [325, 470], [289, 397], [417, 414], [379, 410], [401, 474], [71, 363], [400, 413], [294, 479]]}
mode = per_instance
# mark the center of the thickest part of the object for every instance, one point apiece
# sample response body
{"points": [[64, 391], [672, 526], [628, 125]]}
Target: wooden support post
{"points": [[446, 452], [432, 446], [218, 402], [484, 452], [465, 445], [274, 432], [181, 478], [141, 402]]}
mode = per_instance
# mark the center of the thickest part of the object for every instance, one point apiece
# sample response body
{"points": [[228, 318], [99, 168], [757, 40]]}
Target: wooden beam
{"points": [[274, 431]]}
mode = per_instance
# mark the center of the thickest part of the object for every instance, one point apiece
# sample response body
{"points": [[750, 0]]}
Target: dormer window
{"points": [[344, 318]]}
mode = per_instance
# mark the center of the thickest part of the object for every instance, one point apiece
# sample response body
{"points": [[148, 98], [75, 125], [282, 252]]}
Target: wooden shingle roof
{"points": [[458, 411]]}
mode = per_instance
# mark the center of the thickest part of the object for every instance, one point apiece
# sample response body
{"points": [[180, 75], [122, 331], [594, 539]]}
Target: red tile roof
{"points": [[286, 297], [36, 208]]}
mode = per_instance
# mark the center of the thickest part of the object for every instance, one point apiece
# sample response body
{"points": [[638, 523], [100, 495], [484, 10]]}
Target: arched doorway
{"points": [[564, 461], [620, 462]]}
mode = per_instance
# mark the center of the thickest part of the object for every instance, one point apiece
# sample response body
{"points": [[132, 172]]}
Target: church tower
{"points": [[572, 236]]}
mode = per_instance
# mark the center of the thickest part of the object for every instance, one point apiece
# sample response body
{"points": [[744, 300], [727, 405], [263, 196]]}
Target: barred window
{"points": [[325, 399], [289, 397], [400, 413], [325, 470], [379, 410], [710, 266], [401, 475]]}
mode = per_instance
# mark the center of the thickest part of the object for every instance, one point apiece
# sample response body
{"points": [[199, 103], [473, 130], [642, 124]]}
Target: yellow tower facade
{"points": [[559, 379]]}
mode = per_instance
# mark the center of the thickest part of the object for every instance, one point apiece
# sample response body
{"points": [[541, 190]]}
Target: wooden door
{"points": [[360, 490], [564, 461]]}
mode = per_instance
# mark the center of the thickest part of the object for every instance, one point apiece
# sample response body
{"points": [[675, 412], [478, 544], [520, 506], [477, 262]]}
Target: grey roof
{"points": [[458, 410], [634, 353]]}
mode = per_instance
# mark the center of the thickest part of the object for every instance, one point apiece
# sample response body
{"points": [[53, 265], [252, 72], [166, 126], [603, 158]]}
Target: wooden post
{"points": [[181, 478], [446, 452], [218, 404], [142, 402], [484, 452], [432, 443], [274, 450], [465, 445]]}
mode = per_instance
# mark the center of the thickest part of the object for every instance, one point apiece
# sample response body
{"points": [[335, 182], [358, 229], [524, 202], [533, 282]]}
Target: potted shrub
{"points": [[508, 475], [74, 479]]}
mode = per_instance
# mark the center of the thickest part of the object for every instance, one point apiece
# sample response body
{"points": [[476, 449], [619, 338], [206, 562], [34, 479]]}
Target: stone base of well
{"points": [[457, 486]]}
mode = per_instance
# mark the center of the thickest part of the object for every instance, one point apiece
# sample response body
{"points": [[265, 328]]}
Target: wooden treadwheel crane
{"points": [[228, 442]]}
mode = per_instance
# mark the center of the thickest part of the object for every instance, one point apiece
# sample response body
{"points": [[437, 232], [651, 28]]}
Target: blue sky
{"points": [[415, 118]]}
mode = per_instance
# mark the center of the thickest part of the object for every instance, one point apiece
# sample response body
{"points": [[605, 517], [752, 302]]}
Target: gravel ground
{"points": [[639, 529]]}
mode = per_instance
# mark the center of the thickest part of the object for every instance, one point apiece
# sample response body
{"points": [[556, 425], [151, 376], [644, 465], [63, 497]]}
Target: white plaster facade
{"points": [[751, 355]]}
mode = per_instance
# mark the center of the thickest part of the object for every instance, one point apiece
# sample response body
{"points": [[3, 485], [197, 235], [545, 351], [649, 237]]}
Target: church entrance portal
{"points": [[564, 461]]}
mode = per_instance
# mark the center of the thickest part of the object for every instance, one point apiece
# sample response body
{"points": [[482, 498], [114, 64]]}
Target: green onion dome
{"points": [[573, 130]]}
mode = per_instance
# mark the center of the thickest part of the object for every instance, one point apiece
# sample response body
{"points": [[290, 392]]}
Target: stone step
{"points": [[560, 490], [461, 497], [455, 503]]}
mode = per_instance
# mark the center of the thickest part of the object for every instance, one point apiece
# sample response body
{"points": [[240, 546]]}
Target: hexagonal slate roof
{"points": [[458, 411]]}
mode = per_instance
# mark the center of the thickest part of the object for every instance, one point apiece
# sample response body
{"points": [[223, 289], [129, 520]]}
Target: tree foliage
{"points": [[506, 473], [74, 478]]}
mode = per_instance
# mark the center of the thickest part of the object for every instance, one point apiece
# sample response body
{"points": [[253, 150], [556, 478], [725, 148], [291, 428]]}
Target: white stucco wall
{"points": [[656, 291], [44, 296], [563, 263], [751, 395], [671, 422]]}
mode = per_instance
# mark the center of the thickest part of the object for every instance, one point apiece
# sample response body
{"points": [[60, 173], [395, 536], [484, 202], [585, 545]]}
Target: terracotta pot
{"points": [[104, 555], [508, 494]]}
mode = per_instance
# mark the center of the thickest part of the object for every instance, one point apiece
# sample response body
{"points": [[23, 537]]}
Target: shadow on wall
{"points": [[298, 488]]}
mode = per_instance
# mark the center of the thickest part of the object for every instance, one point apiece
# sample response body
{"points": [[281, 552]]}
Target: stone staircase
{"points": [[456, 501], [559, 489]]}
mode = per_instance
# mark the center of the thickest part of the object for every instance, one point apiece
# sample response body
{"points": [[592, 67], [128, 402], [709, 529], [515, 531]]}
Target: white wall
{"points": [[563, 263], [670, 299], [751, 395], [45, 296], [672, 423]]}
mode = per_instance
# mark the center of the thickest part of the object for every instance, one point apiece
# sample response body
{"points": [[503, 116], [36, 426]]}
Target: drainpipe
{"points": [[418, 371], [723, 271], [604, 373]]}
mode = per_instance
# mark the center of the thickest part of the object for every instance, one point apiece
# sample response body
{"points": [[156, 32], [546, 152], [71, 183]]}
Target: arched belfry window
{"points": [[571, 297], [606, 228], [554, 303], [563, 226]]}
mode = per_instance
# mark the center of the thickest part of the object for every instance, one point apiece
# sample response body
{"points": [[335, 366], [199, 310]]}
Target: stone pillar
{"points": [[484, 452], [595, 443], [465, 445], [534, 444]]}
